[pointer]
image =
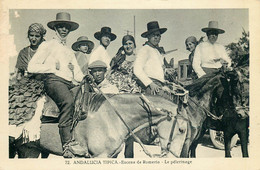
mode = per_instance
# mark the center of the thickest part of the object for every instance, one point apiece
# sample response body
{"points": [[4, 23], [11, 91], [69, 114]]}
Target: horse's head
{"points": [[234, 95]]}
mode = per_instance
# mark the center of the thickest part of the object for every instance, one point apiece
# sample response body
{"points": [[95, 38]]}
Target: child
{"points": [[83, 46]]}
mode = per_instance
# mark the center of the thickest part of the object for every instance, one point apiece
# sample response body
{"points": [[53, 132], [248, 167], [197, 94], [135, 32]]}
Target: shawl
{"points": [[25, 55]]}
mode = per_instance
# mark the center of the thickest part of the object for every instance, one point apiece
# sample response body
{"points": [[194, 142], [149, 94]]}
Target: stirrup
{"points": [[73, 149]]}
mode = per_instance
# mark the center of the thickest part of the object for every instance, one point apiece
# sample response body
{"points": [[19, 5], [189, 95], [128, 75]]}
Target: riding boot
{"points": [[65, 135], [71, 148]]}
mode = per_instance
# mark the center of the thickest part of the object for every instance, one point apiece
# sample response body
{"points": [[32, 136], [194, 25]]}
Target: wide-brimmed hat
{"points": [[152, 27], [97, 64], [63, 17], [83, 40], [105, 31], [213, 25]]}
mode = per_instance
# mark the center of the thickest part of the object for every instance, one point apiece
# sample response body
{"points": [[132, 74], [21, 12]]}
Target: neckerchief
{"points": [[160, 49], [62, 40]]}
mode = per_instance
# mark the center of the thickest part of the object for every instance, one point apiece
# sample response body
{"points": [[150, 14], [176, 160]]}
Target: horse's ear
{"points": [[165, 63], [172, 62]]}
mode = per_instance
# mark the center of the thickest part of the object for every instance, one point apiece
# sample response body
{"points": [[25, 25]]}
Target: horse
{"points": [[221, 98], [104, 134]]}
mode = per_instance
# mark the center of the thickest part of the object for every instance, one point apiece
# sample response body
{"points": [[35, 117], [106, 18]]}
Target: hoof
{"points": [[68, 154]]}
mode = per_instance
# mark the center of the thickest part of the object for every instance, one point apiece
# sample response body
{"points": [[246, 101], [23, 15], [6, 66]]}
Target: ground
{"points": [[204, 150]]}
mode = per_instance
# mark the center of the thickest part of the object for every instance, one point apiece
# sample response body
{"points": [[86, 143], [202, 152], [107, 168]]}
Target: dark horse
{"points": [[227, 107]]}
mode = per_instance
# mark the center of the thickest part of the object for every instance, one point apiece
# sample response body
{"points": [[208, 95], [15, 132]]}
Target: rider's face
{"points": [[98, 74], [212, 36], [34, 38], [105, 40], [154, 38], [63, 29], [129, 47], [83, 48], [190, 46]]}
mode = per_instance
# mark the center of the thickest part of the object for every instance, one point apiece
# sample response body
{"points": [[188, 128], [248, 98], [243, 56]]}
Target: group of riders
{"points": [[60, 68]]}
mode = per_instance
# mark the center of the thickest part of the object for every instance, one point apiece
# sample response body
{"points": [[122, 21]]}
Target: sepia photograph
{"points": [[118, 86]]}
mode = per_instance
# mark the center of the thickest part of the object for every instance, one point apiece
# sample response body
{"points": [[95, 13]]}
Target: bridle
{"points": [[169, 117]]}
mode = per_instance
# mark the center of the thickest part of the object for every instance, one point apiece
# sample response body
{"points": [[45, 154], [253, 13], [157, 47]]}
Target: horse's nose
{"points": [[182, 130]]}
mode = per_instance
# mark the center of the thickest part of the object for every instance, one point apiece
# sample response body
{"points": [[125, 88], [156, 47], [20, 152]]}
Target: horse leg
{"points": [[244, 141], [227, 141], [196, 142], [44, 154], [12, 147], [25, 151], [187, 143], [129, 148]]}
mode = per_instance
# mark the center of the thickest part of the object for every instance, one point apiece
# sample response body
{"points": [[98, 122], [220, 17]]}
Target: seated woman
{"points": [[35, 35], [191, 43], [83, 47], [122, 67], [26, 89]]}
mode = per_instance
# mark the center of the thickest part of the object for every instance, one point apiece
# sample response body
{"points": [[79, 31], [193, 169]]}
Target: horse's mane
{"points": [[95, 100], [204, 84]]}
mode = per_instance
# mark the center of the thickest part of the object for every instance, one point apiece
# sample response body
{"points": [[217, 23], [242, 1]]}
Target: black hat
{"points": [[105, 31], [152, 27]]}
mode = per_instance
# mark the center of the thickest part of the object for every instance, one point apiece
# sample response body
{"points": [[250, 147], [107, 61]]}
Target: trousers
{"points": [[59, 91]]}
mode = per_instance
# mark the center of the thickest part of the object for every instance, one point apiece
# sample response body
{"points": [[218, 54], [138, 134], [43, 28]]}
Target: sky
{"points": [[181, 23]]}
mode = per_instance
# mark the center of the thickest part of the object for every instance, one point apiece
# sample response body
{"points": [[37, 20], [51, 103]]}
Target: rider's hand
{"points": [[89, 78], [19, 76], [154, 88], [166, 89]]}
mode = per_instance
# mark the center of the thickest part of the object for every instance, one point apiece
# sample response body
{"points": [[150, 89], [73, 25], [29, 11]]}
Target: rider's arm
{"points": [[78, 75], [225, 56], [141, 59], [197, 62], [37, 64]]}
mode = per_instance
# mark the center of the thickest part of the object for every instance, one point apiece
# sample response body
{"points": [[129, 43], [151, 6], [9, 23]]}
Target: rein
{"points": [[120, 117], [78, 109], [209, 114]]}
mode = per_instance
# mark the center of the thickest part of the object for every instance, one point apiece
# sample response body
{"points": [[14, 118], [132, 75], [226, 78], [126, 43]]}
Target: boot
{"points": [[65, 135], [71, 148]]}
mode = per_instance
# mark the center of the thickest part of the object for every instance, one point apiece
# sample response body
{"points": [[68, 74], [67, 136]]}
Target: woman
{"points": [[122, 76], [25, 90], [35, 35], [122, 67], [24, 87], [191, 43], [83, 47]]}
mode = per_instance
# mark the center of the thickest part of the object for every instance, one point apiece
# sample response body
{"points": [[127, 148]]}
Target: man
{"points": [[97, 70], [148, 66], [209, 56], [105, 37], [59, 64]]}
